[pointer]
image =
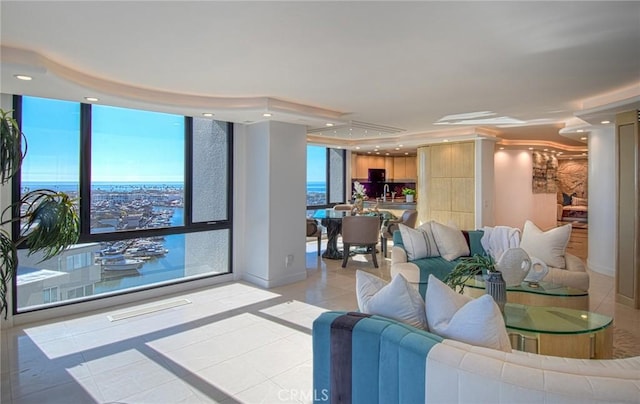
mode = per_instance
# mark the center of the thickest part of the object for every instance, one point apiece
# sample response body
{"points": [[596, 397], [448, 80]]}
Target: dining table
{"points": [[332, 220]]}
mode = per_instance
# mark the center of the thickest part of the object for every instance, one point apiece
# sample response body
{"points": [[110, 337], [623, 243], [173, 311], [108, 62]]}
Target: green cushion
{"points": [[438, 266]]}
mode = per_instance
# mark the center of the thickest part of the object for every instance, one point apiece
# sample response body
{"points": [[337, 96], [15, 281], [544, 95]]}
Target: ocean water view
{"points": [[112, 266]]}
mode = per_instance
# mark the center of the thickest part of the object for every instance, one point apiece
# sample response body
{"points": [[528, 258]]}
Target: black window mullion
{"points": [[327, 175], [188, 171], [85, 171]]}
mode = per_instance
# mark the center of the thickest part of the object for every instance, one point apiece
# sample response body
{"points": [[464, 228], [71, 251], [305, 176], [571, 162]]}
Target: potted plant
{"points": [[409, 194], [359, 195], [49, 221], [468, 268]]}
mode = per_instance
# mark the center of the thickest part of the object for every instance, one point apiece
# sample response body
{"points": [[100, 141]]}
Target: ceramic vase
{"points": [[514, 266], [497, 289]]}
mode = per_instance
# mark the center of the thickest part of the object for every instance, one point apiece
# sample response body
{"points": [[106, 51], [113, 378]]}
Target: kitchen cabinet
{"points": [[399, 168], [396, 168], [411, 168]]}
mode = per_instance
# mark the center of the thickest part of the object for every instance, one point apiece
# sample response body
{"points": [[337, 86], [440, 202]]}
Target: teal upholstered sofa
{"points": [[417, 272], [371, 359]]}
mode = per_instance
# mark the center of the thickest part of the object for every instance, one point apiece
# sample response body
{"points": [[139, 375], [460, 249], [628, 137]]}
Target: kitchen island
{"points": [[397, 206]]}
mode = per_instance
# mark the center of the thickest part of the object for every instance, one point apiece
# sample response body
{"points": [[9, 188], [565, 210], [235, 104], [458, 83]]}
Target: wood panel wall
{"points": [[446, 184]]}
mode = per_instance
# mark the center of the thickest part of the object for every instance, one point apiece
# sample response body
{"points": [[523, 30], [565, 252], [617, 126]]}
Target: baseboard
{"points": [[272, 283], [601, 269]]}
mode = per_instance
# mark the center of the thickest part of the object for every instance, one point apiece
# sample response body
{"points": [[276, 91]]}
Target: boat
{"points": [[119, 263]]}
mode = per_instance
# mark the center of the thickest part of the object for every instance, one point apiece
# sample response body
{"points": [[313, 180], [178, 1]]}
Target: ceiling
{"points": [[383, 74]]}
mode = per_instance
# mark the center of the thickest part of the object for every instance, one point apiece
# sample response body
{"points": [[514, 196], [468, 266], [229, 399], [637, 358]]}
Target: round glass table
{"points": [[545, 294], [559, 331]]}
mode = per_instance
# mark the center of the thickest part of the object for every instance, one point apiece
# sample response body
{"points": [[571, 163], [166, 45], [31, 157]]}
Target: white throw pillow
{"points": [[575, 201], [473, 321], [418, 243], [549, 246], [450, 241], [396, 300]]}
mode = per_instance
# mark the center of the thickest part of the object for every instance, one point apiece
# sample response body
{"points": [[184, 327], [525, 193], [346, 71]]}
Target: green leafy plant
{"points": [[408, 191], [49, 221], [467, 268]]}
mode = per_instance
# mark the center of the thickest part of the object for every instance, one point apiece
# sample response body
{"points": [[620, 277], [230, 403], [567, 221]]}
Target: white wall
{"points": [[515, 201], [602, 200], [275, 198], [485, 183]]}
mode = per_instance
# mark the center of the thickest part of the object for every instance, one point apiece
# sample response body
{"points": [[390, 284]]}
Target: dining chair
{"points": [[360, 231], [408, 218], [314, 230]]}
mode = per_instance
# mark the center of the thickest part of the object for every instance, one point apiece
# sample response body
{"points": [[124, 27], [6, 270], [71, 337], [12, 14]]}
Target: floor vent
{"points": [[148, 309]]}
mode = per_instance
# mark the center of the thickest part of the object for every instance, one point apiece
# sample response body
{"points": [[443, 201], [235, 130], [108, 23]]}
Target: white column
{"points": [[272, 242], [484, 183], [602, 200]]}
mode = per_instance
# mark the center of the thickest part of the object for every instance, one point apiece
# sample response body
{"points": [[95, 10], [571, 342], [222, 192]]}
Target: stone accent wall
{"points": [[572, 177]]}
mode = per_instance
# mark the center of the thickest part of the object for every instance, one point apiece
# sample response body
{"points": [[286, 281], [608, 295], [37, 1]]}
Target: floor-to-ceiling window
{"points": [[325, 177], [153, 192]]}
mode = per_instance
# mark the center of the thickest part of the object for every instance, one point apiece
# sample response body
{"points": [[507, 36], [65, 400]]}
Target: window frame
{"points": [[85, 209], [327, 200]]}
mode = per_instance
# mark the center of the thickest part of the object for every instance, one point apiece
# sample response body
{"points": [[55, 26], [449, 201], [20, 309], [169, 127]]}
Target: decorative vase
{"points": [[497, 289], [409, 198], [359, 205], [514, 266]]}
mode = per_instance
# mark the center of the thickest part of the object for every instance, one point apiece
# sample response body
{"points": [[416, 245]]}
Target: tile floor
{"points": [[227, 344]]}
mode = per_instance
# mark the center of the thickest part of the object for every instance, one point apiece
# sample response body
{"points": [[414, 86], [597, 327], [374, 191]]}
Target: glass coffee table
{"points": [[559, 331], [545, 294]]}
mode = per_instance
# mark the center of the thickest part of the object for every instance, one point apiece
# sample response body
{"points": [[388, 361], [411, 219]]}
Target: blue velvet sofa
{"points": [[358, 358], [417, 272]]}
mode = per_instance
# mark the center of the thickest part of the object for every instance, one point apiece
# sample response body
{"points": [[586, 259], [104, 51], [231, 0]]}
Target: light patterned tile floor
{"points": [[233, 343]]}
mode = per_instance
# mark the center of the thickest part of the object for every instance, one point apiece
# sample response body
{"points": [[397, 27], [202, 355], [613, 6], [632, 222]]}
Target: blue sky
{"points": [[129, 145], [316, 163]]}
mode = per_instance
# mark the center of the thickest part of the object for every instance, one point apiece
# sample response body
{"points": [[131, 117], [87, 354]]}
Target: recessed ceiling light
{"points": [[445, 140], [375, 149], [207, 114], [386, 154], [530, 148], [357, 147], [267, 115], [397, 148], [559, 152], [584, 154], [580, 130], [406, 153], [583, 138], [368, 152], [502, 148], [23, 77], [605, 122], [553, 151], [91, 99], [378, 153], [400, 145], [328, 124], [545, 149]]}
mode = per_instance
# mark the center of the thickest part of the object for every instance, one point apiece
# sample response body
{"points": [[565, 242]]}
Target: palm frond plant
{"points": [[49, 220], [468, 268]]}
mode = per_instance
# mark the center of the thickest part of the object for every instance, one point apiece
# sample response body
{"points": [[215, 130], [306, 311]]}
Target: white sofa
{"points": [[363, 359], [573, 275]]}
